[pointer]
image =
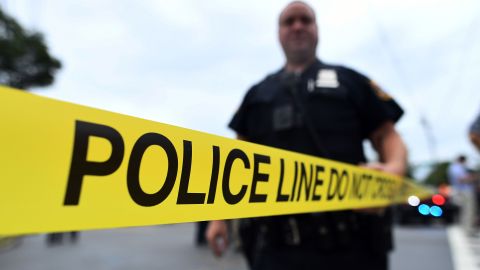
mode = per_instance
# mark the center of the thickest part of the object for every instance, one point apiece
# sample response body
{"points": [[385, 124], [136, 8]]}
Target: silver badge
{"points": [[327, 78]]}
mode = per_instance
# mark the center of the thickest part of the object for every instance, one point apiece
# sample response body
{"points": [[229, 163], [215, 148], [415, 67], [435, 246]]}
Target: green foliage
{"points": [[409, 172], [438, 175], [24, 57]]}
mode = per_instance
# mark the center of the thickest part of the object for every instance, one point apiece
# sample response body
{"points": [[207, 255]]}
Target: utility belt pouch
{"points": [[379, 232], [344, 226]]}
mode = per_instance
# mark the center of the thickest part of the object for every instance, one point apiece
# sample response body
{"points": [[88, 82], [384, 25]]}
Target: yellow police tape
{"points": [[69, 167]]}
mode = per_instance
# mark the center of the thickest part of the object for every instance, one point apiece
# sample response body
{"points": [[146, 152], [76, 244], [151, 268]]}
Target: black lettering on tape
{"points": [[379, 187], [385, 188], [281, 197], [343, 179], [227, 194], [133, 178], [214, 178], [359, 181], [184, 197], [368, 178], [257, 176], [305, 179], [335, 185], [294, 182], [80, 167], [332, 184], [318, 182]]}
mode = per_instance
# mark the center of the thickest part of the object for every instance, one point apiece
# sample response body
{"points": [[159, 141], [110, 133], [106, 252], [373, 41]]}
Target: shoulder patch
{"points": [[379, 92]]}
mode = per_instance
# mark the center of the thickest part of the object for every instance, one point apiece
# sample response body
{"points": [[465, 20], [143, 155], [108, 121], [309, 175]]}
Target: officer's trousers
{"points": [[298, 259]]}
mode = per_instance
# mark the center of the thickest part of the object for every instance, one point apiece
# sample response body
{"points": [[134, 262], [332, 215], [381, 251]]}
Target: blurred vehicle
{"points": [[436, 209]]}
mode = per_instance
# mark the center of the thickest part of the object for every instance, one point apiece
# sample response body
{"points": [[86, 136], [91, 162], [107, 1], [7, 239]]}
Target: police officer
{"points": [[324, 110]]}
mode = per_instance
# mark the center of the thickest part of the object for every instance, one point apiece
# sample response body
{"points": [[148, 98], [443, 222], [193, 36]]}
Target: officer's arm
{"points": [[393, 156], [391, 149], [217, 236]]}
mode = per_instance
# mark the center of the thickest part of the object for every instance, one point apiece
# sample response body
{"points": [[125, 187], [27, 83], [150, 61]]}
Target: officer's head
{"points": [[298, 32]]}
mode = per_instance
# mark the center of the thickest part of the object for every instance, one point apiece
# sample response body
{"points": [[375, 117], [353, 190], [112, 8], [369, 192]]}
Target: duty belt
{"points": [[323, 231]]}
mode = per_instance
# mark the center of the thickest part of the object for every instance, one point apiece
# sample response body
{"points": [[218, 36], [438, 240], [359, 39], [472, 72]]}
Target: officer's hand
{"points": [[217, 236], [378, 167], [391, 168]]}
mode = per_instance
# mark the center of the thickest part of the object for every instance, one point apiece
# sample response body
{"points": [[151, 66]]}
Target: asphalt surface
{"points": [[172, 247], [421, 248]]}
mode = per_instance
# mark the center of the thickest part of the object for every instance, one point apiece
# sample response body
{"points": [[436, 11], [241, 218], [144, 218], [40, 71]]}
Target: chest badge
{"points": [[327, 78]]}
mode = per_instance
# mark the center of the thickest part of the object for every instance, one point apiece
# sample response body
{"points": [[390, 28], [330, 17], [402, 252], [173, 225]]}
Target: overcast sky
{"points": [[189, 63]]}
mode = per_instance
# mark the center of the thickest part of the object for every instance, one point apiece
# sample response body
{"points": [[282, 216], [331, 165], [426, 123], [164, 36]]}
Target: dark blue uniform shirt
{"points": [[343, 106]]}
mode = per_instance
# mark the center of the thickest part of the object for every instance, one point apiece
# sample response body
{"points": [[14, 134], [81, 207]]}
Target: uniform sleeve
{"points": [[394, 111], [375, 106], [239, 121]]}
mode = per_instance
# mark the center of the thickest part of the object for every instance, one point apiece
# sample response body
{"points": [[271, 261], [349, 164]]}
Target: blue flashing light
{"points": [[436, 211], [424, 209]]}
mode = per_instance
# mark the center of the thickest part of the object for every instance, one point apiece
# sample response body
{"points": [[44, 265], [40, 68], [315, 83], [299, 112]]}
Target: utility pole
{"points": [[431, 141]]}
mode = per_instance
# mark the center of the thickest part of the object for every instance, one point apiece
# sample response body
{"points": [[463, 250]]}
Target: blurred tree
{"points": [[409, 172], [24, 58], [438, 175]]}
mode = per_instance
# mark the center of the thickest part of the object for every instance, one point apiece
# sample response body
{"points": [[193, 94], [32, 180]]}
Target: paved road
{"points": [[171, 247], [421, 248]]}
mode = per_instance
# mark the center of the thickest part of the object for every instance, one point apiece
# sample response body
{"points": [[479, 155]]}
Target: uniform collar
{"points": [[312, 70], [309, 71]]}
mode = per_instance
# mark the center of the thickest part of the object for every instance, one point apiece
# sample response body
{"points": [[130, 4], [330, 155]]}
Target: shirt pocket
{"points": [[332, 111], [338, 93]]}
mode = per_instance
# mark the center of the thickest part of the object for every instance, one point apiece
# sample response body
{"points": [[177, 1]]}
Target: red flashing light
{"points": [[438, 199]]}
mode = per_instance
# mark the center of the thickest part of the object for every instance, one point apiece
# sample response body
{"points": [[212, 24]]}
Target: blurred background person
{"points": [[463, 193], [474, 134], [57, 237], [200, 229]]}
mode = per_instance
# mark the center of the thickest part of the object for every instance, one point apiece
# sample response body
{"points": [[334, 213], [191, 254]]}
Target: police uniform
{"points": [[341, 108]]}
